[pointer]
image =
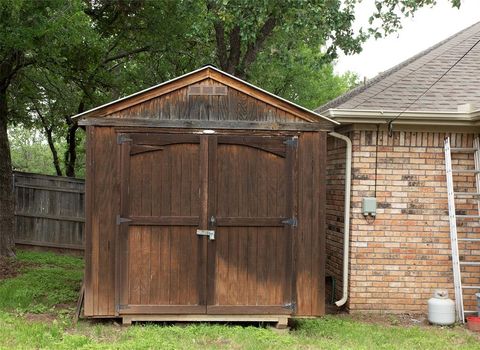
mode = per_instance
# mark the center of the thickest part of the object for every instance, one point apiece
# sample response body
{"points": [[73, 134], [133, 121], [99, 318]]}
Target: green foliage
{"points": [[388, 16], [316, 23], [31, 153], [47, 280], [42, 28], [296, 72]]}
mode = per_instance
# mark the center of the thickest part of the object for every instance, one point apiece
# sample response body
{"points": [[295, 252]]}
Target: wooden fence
{"points": [[49, 211]]}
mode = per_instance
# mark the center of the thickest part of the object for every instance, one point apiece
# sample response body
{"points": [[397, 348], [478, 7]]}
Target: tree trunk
{"points": [[51, 144], [7, 206], [71, 152], [230, 59]]}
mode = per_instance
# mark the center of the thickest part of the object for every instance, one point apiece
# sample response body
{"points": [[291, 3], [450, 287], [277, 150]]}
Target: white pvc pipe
{"points": [[346, 228]]}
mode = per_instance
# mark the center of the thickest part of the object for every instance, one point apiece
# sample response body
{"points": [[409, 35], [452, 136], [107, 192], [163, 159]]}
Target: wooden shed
{"points": [[205, 200]]}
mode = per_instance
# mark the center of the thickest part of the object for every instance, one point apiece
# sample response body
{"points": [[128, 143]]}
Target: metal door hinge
{"points": [[292, 142], [121, 307], [290, 306], [292, 222], [121, 138], [121, 220]]}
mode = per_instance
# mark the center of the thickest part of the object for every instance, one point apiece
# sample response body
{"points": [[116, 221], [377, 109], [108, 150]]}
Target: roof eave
{"points": [[444, 118]]}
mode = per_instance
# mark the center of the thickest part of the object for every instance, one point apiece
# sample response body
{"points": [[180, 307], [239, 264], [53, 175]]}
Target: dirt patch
{"points": [[43, 318], [69, 306], [391, 319], [9, 267]]}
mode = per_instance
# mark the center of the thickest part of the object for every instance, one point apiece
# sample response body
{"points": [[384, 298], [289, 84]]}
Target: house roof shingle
{"points": [[397, 88]]}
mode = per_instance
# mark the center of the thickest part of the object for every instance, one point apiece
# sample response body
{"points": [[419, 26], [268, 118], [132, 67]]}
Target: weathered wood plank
{"points": [[50, 217], [106, 206], [309, 240], [50, 245], [49, 188], [262, 96], [208, 124], [303, 237], [152, 93], [319, 152], [196, 315], [49, 210], [88, 277]]}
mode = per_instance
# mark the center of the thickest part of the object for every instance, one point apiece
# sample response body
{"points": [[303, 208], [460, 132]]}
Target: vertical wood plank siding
{"points": [[235, 106], [309, 245], [310, 237], [103, 203]]}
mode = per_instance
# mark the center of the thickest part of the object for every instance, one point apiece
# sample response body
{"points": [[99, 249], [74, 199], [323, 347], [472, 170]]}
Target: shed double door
{"points": [[176, 187]]}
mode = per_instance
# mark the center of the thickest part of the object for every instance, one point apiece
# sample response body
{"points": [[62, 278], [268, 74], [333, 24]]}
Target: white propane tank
{"points": [[441, 309]]}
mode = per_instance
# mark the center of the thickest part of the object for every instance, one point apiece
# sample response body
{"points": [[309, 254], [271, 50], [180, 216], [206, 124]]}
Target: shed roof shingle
{"points": [[397, 88]]}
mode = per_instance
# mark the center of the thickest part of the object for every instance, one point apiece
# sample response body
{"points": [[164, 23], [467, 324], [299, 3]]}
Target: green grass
{"points": [[326, 333], [46, 280], [51, 279]]}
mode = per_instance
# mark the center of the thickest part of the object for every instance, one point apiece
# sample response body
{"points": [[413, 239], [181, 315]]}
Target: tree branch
{"points": [[14, 61], [48, 133], [255, 47], [219, 38], [126, 54], [221, 48], [235, 48]]}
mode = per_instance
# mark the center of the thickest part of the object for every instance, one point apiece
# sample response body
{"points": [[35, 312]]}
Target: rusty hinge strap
{"points": [[292, 222], [121, 138], [121, 220], [290, 306], [292, 142], [121, 307]]}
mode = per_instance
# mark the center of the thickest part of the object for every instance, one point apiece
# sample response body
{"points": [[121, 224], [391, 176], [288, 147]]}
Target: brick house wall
{"points": [[397, 260], [334, 220]]}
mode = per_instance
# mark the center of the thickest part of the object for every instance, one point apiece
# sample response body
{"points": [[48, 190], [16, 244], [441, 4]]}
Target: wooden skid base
{"points": [[281, 321]]}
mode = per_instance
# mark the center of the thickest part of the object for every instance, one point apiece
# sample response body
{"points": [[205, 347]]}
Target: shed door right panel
{"points": [[250, 198]]}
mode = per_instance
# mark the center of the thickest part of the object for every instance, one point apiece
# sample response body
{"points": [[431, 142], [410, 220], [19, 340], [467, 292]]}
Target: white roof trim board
{"points": [[434, 118]]}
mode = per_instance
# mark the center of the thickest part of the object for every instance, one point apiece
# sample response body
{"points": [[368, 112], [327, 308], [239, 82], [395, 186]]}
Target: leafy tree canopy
{"points": [[59, 58]]}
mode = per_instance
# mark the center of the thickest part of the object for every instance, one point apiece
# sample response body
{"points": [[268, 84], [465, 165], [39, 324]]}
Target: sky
{"points": [[429, 26]]}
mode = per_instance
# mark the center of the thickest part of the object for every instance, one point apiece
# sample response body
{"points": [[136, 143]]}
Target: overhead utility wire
{"points": [[390, 122]]}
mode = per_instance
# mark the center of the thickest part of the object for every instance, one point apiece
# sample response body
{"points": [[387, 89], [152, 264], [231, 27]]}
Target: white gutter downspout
{"points": [[346, 220]]}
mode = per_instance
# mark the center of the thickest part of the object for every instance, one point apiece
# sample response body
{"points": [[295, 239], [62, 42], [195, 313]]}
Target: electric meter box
{"points": [[369, 206]]}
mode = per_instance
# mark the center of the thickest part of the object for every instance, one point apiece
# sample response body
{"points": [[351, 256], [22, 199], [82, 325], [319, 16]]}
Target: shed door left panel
{"points": [[162, 266]]}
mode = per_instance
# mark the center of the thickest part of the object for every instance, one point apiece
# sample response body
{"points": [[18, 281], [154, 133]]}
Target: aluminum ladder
{"points": [[452, 216]]}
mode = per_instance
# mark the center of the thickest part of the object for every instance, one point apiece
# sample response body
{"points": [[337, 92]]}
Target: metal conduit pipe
{"points": [[346, 220]]}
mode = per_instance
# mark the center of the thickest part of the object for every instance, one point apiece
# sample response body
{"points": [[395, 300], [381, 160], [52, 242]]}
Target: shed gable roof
{"points": [[397, 88], [205, 76]]}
